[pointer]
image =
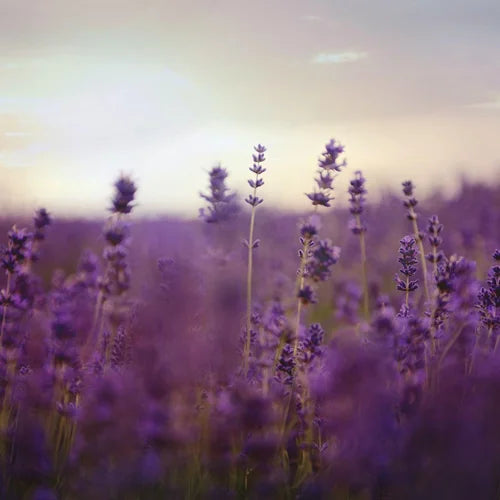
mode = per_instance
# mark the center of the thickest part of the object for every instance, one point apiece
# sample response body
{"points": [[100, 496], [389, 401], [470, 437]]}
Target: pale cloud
{"points": [[492, 104], [20, 63], [16, 134], [312, 18], [338, 57]]}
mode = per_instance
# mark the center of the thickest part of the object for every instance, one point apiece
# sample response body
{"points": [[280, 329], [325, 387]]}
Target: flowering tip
{"points": [[255, 244], [42, 218], [408, 188], [319, 198], [257, 169], [306, 295], [253, 200], [124, 195], [258, 158], [255, 184]]}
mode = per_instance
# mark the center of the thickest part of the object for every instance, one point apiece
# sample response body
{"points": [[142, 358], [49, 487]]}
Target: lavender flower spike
{"points": [[408, 261], [330, 162], [124, 196], [357, 193], [221, 201], [434, 229]]}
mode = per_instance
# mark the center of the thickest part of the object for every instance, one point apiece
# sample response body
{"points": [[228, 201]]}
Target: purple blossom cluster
{"points": [[122, 374]]}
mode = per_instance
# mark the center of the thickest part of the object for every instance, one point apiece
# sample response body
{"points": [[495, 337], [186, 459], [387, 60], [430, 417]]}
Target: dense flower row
{"points": [[137, 377]]}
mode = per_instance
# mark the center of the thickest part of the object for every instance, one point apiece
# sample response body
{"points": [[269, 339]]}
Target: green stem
{"points": [[364, 274], [246, 352], [4, 315], [420, 243], [300, 284]]}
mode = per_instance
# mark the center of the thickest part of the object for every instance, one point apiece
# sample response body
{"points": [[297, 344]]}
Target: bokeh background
{"points": [[161, 90]]}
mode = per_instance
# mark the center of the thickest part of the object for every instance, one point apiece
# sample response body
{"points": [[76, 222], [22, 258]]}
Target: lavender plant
{"points": [[327, 255], [410, 203], [357, 193], [116, 278], [327, 165], [222, 204], [253, 200], [489, 302]]}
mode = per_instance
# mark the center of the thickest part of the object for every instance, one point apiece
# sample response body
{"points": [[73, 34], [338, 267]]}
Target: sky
{"points": [[162, 90]]}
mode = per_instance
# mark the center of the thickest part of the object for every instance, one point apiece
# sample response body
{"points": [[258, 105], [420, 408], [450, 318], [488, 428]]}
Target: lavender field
{"points": [[344, 353]]}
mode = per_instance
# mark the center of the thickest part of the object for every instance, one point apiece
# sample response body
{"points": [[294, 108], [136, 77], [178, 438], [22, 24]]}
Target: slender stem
{"points": [[407, 291], [29, 262], [434, 260], [364, 274], [473, 354], [246, 352], [418, 239], [449, 346], [4, 314], [300, 284]]}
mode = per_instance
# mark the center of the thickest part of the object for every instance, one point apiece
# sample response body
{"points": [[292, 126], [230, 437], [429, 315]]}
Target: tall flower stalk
{"points": [[14, 257], [116, 278], [328, 164], [357, 192], [410, 203], [253, 200]]}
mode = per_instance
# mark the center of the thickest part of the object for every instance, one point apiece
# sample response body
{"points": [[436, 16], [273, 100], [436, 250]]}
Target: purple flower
{"points": [[306, 295], [124, 196], [320, 198], [308, 230], [434, 229], [407, 188], [357, 191], [286, 364], [41, 220], [489, 298], [410, 203], [117, 234], [323, 256], [258, 170], [222, 205], [330, 162], [408, 261], [311, 346]]}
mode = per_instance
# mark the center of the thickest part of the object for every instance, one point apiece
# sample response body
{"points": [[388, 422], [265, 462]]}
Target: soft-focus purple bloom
{"points": [[489, 299], [330, 162], [307, 295], [124, 195], [41, 220], [357, 192], [320, 198], [222, 204], [410, 203], [323, 256], [408, 261]]}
